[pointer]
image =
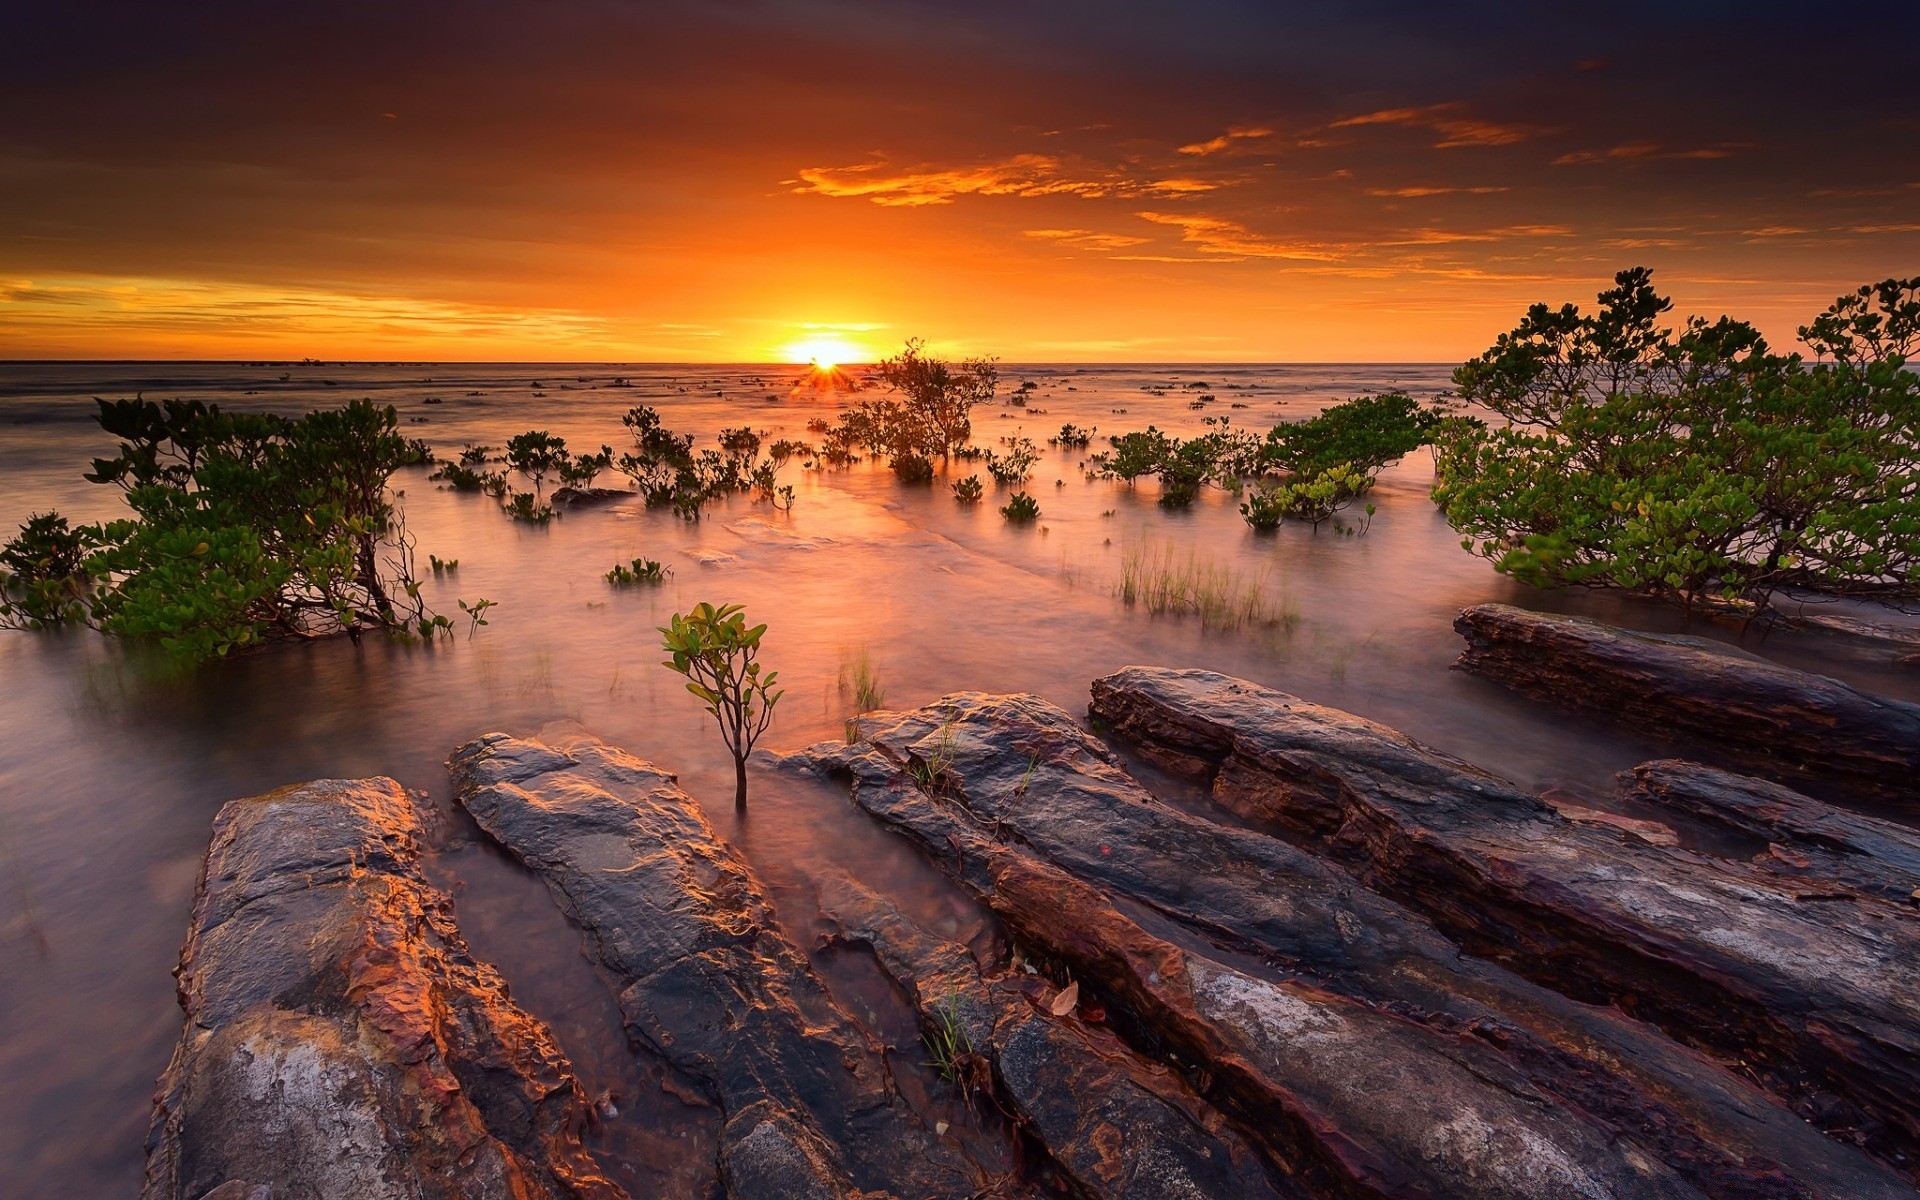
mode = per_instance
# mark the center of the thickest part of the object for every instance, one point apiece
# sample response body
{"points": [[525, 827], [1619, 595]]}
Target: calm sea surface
{"points": [[110, 775]]}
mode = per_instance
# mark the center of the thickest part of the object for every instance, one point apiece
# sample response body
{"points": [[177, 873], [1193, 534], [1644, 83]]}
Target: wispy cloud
{"points": [[1225, 141], [1631, 151], [1413, 193], [1085, 239], [1450, 121], [1020, 175], [1230, 239]]}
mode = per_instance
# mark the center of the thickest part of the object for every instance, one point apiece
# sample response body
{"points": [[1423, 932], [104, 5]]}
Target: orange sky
{"points": [[749, 180]]}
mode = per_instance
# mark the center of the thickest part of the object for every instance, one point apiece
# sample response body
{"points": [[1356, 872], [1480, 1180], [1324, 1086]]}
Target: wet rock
{"points": [[1804, 838], [1352, 1098], [707, 982], [1014, 782], [341, 1043], [573, 497], [1819, 996], [1115, 1123], [1873, 641], [1781, 723]]}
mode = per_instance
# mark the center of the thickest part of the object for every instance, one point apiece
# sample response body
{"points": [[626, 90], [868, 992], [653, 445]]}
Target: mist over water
{"points": [[110, 773]]}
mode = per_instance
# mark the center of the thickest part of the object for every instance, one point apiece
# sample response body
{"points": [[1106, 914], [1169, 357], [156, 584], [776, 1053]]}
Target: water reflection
{"points": [[110, 775]]}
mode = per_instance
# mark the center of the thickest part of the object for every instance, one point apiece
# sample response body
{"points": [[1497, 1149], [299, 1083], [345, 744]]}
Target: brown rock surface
{"points": [[1802, 837], [1779, 722], [1334, 1025], [1726, 957], [341, 1043], [1116, 1124], [706, 980]]}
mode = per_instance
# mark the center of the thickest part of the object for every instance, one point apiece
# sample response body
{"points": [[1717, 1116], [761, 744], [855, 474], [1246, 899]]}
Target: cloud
{"points": [[1085, 239], [1019, 175], [1631, 151], [1232, 240], [1417, 192], [1454, 127], [1225, 141]]}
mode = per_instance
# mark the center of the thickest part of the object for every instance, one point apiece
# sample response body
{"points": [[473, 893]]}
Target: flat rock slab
{"points": [[1023, 779], [341, 1043], [1779, 722], [707, 982], [1802, 838], [1724, 956], [1116, 1124]]}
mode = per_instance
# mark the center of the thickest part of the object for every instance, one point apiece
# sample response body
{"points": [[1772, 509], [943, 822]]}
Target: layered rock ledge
{"points": [[1343, 1036], [707, 983], [341, 1043], [1728, 957], [1779, 722]]}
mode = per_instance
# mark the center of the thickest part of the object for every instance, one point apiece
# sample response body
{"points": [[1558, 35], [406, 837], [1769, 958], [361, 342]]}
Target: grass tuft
{"points": [[1166, 582]]}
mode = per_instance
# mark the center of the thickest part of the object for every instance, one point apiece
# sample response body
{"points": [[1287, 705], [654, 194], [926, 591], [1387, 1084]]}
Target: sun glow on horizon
{"points": [[825, 351]]}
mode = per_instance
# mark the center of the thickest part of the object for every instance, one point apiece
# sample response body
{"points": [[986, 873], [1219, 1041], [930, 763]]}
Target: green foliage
{"points": [[243, 529], [529, 507], [669, 474], [1365, 434], [912, 468], [477, 613], [717, 651], [1016, 464], [969, 490], [1315, 498], [1263, 508], [1021, 509], [937, 398], [537, 454], [951, 1048], [642, 570], [1699, 466], [43, 574], [1134, 454], [1072, 437], [583, 469]]}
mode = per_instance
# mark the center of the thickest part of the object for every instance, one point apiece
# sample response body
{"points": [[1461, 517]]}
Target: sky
{"points": [[754, 180]]}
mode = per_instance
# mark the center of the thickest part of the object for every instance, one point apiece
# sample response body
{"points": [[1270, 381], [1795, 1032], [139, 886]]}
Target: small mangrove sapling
{"points": [[716, 650]]}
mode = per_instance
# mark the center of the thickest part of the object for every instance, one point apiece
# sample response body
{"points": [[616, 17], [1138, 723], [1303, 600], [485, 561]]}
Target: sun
{"points": [[823, 351]]}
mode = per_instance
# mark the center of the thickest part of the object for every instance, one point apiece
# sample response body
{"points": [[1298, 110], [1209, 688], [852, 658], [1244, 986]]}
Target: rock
{"points": [[1119, 1125], [1652, 832], [1352, 1099], [573, 497], [1723, 956], [1832, 844], [706, 981], [1017, 773], [1874, 641], [1780, 722], [341, 1043]]}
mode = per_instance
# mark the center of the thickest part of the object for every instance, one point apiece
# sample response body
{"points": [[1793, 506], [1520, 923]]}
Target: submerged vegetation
{"points": [[641, 570], [1021, 509], [718, 653], [1698, 467], [1163, 581], [243, 529]]}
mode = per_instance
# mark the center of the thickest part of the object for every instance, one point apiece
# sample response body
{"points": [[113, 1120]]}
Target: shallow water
{"points": [[109, 775]]}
